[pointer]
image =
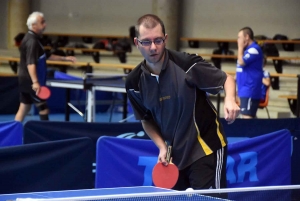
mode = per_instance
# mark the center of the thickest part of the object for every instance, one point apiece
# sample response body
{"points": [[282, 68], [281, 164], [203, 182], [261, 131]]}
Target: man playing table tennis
{"points": [[33, 69], [168, 94]]}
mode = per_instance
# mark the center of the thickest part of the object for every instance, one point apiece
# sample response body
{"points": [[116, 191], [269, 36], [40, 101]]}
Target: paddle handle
{"points": [[169, 153]]}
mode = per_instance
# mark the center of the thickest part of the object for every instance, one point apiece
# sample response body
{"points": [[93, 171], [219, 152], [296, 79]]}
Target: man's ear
{"points": [[136, 42], [166, 38], [247, 37]]}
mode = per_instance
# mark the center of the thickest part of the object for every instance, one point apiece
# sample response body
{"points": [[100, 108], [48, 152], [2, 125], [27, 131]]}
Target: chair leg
{"points": [[268, 112], [112, 106]]}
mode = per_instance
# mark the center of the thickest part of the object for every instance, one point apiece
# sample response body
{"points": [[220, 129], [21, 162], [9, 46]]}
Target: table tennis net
{"points": [[270, 193], [95, 76]]}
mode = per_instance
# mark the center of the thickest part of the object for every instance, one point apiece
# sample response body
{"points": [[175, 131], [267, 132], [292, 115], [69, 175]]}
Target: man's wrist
{"points": [[240, 52]]}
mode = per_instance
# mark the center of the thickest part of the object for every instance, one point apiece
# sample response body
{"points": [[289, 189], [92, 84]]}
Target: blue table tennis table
{"points": [[109, 84], [81, 193], [130, 193]]}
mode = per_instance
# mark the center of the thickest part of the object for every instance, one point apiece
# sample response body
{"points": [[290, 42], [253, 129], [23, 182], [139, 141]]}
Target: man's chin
{"points": [[153, 60]]}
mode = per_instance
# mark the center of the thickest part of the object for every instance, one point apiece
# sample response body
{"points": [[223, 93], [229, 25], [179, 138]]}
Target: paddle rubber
{"points": [[165, 176], [44, 93]]}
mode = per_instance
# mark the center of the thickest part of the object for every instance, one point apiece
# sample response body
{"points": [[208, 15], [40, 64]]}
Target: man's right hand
{"points": [[162, 156], [36, 87], [241, 43]]}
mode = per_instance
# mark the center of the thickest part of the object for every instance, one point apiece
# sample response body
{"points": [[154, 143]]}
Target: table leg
{"points": [[67, 109], [298, 98], [90, 109], [124, 105]]}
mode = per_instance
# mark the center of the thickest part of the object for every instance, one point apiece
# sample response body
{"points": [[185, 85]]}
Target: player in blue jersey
{"points": [[249, 73]]}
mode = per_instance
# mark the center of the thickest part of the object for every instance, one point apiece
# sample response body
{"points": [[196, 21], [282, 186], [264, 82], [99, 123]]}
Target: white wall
{"points": [[200, 18], [197, 18], [92, 16], [3, 23], [224, 18]]}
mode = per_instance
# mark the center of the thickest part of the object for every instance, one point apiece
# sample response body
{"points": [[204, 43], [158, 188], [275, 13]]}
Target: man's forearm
{"points": [[240, 57], [62, 58], [266, 81], [32, 73], [57, 58], [153, 132], [229, 87]]}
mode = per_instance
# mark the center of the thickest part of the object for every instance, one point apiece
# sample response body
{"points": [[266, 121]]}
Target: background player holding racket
{"points": [[33, 69], [167, 91]]}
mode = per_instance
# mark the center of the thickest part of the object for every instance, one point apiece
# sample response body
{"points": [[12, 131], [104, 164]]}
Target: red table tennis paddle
{"points": [[44, 93], [165, 176]]}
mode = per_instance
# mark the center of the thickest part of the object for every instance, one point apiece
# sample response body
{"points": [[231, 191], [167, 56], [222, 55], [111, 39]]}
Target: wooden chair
{"points": [[292, 100], [264, 103]]}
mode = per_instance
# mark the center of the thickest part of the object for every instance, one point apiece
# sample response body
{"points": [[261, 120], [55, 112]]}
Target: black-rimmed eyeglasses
{"points": [[157, 41]]}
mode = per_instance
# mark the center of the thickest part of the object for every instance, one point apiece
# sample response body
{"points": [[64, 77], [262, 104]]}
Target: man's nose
{"points": [[153, 46]]}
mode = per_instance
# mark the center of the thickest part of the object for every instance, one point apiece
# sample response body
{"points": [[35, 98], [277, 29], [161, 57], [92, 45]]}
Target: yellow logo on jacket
{"points": [[164, 98]]}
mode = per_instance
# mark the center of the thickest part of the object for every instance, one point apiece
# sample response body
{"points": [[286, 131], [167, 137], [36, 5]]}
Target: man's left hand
{"points": [[231, 110], [70, 58]]}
